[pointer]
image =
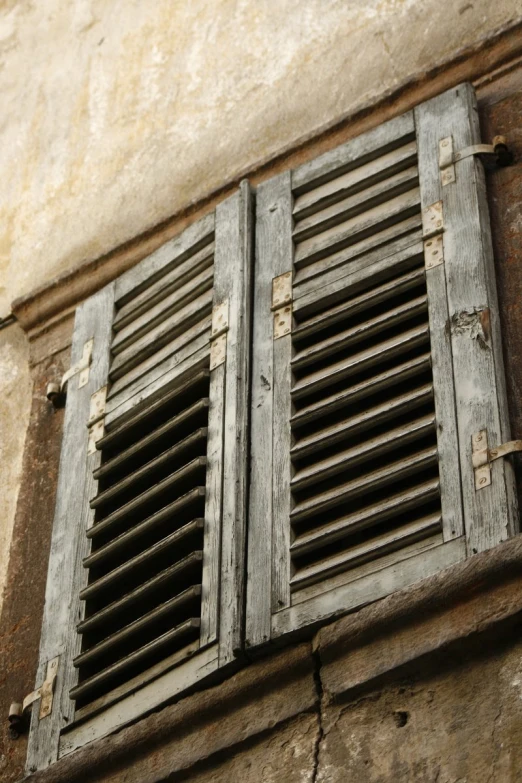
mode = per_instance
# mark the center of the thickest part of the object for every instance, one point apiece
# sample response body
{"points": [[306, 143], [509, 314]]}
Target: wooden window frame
{"points": [[222, 609]]}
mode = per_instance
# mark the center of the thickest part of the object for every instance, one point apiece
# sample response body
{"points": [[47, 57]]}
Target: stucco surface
{"points": [[15, 404], [118, 114]]}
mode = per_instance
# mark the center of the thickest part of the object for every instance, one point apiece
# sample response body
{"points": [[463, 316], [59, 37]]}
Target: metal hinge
{"points": [[218, 335], [496, 152], [55, 391], [432, 230], [482, 456], [45, 693], [96, 422], [282, 304]]}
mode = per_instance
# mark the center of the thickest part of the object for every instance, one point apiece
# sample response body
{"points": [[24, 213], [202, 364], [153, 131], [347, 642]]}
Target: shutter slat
{"points": [[174, 303], [371, 357], [360, 178], [369, 550], [373, 448], [370, 515], [357, 228], [357, 257], [199, 407], [161, 580], [162, 611], [370, 328], [95, 587], [355, 425], [121, 542], [89, 685], [199, 436], [347, 208], [371, 482], [143, 413], [133, 505], [176, 327], [358, 304], [376, 383], [158, 291]]}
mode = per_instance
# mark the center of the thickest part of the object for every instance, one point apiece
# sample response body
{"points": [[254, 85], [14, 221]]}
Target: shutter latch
{"points": [[45, 693], [218, 335], [56, 391], [282, 304], [497, 152], [482, 456]]}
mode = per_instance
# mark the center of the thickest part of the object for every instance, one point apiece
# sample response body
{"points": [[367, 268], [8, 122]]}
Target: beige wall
{"points": [[117, 114]]}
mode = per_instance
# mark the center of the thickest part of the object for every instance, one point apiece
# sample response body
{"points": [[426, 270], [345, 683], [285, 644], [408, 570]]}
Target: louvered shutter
{"points": [[372, 372], [145, 586]]}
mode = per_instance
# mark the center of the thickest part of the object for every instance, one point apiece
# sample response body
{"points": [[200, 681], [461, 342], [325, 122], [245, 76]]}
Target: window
{"points": [[376, 375]]}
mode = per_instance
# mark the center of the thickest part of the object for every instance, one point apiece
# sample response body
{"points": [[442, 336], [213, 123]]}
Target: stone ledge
{"points": [[457, 603], [252, 701]]}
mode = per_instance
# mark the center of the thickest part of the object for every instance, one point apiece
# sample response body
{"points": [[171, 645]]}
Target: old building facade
{"points": [[126, 127]]}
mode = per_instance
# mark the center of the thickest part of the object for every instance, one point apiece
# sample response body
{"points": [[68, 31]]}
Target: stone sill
{"points": [[455, 605]]}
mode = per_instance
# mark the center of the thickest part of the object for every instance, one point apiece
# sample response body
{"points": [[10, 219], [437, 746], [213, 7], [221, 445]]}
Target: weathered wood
{"points": [[259, 561], [366, 251], [372, 514], [175, 370], [93, 320], [371, 549], [213, 508], [282, 262], [369, 357], [168, 256], [170, 282], [232, 281], [355, 304], [490, 514], [145, 324], [355, 152], [127, 709], [368, 483], [373, 448], [372, 327], [356, 228], [376, 585], [175, 326], [366, 419], [381, 381], [362, 201], [357, 179]]}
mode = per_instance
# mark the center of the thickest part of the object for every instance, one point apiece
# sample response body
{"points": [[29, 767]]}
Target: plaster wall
{"points": [[117, 115]]}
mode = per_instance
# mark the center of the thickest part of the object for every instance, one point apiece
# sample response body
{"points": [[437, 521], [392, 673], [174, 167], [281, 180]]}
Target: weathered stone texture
{"points": [[455, 719], [15, 403], [118, 116], [282, 756]]}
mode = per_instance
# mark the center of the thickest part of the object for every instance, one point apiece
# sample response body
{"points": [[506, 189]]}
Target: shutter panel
{"points": [[362, 410], [155, 522]]}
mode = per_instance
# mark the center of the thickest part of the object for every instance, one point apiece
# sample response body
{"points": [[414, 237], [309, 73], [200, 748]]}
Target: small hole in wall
{"points": [[401, 718]]}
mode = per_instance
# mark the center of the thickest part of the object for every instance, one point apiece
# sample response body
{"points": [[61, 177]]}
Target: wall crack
{"points": [[320, 727]]}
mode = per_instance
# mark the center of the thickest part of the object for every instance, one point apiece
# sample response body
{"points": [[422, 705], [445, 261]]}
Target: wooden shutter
{"points": [[145, 588], [363, 405]]}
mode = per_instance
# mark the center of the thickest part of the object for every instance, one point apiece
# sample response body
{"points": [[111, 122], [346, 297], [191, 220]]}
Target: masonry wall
{"points": [[124, 125]]}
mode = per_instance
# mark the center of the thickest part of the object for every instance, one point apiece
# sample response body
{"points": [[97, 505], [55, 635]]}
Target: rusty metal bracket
{"points": [[218, 334], [482, 456], [56, 391], [497, 153], [282, 304], [45, 693], [434, 251]]}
